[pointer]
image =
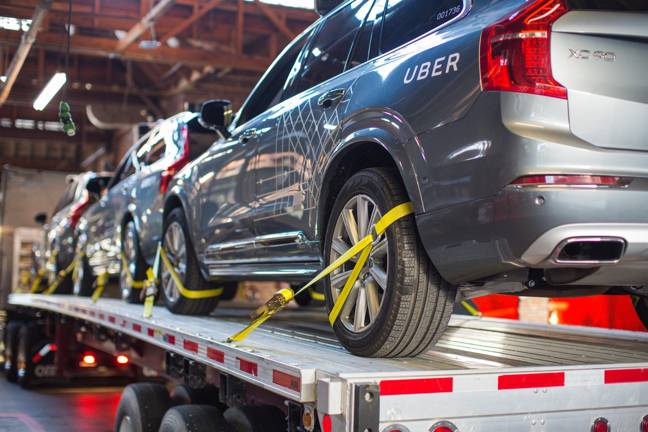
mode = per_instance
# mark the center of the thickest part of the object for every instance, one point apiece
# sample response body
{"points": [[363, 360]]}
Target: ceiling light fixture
{"points": [[50, 90]]}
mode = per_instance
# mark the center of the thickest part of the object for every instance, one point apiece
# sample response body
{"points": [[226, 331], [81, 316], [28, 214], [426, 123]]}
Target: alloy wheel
{"points": [[127, 273], [175, 248], [365, 300]]}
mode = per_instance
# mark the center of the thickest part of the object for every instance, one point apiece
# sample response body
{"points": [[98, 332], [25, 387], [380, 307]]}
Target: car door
{"points": [[304, 127], [163, 147]]}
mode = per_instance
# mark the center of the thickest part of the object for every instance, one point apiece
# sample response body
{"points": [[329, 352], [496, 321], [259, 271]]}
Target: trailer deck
{"points": [[496, 367]]}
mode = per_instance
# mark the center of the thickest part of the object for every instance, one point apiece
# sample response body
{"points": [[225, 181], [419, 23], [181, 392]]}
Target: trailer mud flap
{"points": [[366, 404]]}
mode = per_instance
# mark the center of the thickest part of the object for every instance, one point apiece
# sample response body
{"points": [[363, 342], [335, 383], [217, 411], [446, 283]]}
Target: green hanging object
{"points": [[65, 117]]}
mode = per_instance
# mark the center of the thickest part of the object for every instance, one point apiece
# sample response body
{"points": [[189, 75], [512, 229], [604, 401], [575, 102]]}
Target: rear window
{"points": [[406, 20], [611, 5]]}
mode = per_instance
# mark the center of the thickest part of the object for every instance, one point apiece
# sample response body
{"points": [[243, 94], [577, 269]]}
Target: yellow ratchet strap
{"points": [[180, 286], [363, 247], [35, 286], [59, 278], [102, 279], [132, 282], [471, 310], [317, 296], [149, 300]]}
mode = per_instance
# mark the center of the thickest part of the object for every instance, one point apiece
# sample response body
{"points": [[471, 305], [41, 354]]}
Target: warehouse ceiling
{"points": [[130, 61]]}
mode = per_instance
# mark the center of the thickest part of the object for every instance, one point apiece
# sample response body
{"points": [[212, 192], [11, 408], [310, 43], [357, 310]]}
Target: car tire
{"points": [[11, 335], [142, 407], [411, 302], [136, 265], [177, 244], [641, 306], [193, 418], [83, 278]]}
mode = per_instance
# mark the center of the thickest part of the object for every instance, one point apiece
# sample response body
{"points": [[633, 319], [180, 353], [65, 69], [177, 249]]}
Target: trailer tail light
{"points": [[600, 425], [571, 180], [88, 360], [78, 209], [395, 428], [172, 170], [122, 359], [515, 54], [644, 424], [443, 426]]}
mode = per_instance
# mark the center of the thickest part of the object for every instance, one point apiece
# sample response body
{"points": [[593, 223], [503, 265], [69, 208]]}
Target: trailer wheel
{"points": [[256, 418], [177, 245], [400, 305], [141, 407], [135, 269], [641, 306], [10, 349], [83, 278], [24, 353], [193, 418]]}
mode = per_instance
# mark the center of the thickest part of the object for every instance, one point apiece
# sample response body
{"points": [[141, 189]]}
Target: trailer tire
{"points": [[142, 407], [83, 279], [193, 418], [11, 347], [256, 418], [416, 303], [176, 225], [641, 306], [24, 364]]}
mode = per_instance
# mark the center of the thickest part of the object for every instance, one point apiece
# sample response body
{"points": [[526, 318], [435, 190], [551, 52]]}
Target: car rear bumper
{"points": [[527, 228]]}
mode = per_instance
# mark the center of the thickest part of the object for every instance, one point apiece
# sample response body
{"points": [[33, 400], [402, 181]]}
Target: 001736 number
{"points": [[448, 13]]}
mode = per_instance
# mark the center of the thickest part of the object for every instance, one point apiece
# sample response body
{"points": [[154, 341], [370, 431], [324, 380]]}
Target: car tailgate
{"points": [[601, 57]]}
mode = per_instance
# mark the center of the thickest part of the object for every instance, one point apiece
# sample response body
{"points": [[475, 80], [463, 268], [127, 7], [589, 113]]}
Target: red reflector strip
{"points": [[190, 345], [216, 355], [102, 316], [416, 386], [326, 423], [248, 367], [169, 338], [286, 380], [137, 328], [112, 319], [150, 332], [619, 376], [522, 381], [92, 313]]}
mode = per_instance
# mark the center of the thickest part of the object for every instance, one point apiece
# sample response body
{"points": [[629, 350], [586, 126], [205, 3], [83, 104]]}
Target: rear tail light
{"points": [[443, 426], [172, 170], [122, 359], [570, 180], [77, 210], [515, 53], [88, 360], [644, 424], [600, 425]]}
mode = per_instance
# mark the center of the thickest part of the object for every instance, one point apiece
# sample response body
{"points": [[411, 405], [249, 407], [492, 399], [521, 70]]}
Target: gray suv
{"points": [[518, 130], [120, 233]]}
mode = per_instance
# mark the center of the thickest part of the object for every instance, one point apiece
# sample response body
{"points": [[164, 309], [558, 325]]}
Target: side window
{"points": [[129, 169], [269, 90], [406, 20], [328, 53], [366, 46], [154, 150]]}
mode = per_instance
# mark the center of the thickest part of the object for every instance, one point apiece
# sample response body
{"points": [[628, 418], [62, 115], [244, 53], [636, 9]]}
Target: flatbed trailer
{"points": [[483, 375]]}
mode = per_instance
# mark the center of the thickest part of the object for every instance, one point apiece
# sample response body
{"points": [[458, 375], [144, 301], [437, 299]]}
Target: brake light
{"points": [[88, 360], [515, 53], [443, 426], [172, 170], [567, 180], [77, 210], [600, 425], [122, 359]]}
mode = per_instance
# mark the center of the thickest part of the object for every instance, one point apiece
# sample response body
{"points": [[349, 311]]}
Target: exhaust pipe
{"points": [[590, 250]]}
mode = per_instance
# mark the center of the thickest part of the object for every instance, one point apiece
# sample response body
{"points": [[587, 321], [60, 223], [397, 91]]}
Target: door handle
{"points": [[330, 98], [247, 135]]}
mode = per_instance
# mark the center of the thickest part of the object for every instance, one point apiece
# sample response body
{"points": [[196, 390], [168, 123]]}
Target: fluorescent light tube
{"points": [[50, 90]]}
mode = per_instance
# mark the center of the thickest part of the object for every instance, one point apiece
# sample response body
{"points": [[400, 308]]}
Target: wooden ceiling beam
{"points": [[278, 22], [185, 24], [144, 24]]}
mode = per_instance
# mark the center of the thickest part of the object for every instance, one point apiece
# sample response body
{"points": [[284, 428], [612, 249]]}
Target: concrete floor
{"points": [[57, 409]]}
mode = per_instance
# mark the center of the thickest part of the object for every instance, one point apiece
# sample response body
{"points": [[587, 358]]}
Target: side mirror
{"points": [[216, 114], [95, 186], [40, 218], [325, 6]]}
